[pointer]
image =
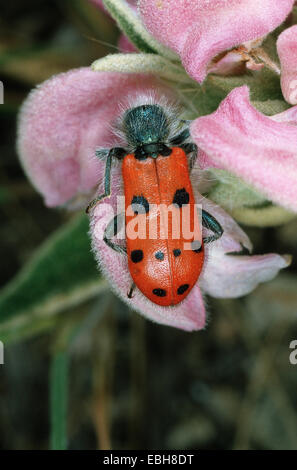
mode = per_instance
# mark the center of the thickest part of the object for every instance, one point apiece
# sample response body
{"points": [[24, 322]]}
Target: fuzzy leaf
{"points": [[141, 63], [264, 85], [201, 99], [232, 192], [61, 274], [269, 216], [271, 107], [244, 203], [59, 386]]}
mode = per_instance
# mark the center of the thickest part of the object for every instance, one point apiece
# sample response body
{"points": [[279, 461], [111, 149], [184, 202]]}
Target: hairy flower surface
{"points": [[224, 275], [260, 149], [199, 30], [64, 120], [67, 117], [61, 124]]}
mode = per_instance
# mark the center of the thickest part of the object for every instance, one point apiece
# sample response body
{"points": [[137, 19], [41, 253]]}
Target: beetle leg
{"points": [[180, 138], [112, 228], [116, 152], [209, 222], [130, 293], [107, 192], [188, 147]]}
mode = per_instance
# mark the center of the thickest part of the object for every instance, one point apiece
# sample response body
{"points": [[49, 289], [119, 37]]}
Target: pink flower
{"points": [[60, 126], [223, 275], [63, 121], [199, 30], [260, 149], [287, 51]]}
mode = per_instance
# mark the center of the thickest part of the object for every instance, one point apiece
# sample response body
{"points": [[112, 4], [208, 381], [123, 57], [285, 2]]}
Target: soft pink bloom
{"points": [[64, 120], [60, 126], [223, 275], [261, 150], [287, 51], [199, 30]]}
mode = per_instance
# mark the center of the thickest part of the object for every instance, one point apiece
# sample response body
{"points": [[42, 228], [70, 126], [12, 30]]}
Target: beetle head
{"points": [[145, 124]]}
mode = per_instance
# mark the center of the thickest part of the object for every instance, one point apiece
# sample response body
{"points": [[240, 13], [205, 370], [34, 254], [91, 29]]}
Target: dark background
{"points": [[134, 384]]}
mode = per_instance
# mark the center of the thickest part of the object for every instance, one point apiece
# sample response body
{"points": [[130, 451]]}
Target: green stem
{"points": [[59, 400]]}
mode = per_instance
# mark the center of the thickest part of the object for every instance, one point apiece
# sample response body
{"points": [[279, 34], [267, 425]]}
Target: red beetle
{"points": [[156, 175]]}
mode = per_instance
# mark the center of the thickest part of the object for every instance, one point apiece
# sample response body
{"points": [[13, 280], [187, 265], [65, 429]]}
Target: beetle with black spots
{"points": [[156, 164]]}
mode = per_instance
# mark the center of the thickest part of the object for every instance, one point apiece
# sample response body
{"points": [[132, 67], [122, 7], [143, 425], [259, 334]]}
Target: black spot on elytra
{"points": [[136, 256], [140, 205], [196, 246], [159, 255], [181, 197], [159, 292], [176, 252], [182, 289]]}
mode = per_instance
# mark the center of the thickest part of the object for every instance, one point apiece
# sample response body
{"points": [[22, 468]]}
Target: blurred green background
{"points": [[83, 372]]}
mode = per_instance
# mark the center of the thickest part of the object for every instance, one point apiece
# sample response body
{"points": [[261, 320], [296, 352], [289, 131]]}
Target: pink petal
{"points": [[240, 139], [189, 315], [64, 120], [200, 30], [234, 276], [287, 51], [229, 276], [222, 276]]}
